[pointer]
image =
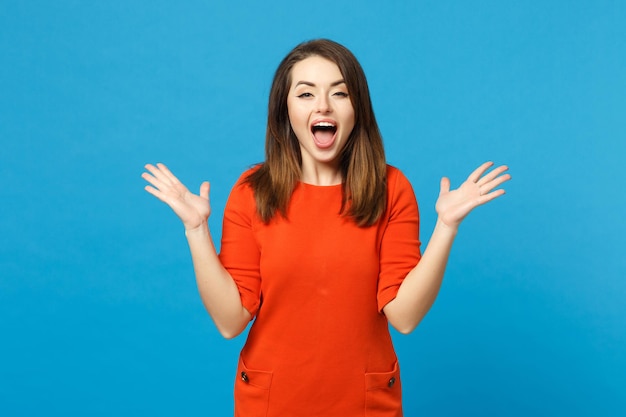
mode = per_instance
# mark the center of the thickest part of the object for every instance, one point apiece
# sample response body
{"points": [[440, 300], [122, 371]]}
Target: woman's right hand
{"points": [[193, 210]]}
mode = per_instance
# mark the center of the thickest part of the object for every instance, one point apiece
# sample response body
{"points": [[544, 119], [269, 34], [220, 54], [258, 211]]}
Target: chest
{"points": [[317, 249]]}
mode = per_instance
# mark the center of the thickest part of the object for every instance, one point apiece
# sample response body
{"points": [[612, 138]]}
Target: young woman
{"points": [[320, 247]]}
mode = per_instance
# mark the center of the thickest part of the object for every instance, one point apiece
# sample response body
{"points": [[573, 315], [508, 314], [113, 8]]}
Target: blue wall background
{"points": [[99, 313]]}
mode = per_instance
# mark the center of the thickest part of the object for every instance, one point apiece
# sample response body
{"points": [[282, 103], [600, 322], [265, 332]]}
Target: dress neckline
{"points": [[321, 187]]}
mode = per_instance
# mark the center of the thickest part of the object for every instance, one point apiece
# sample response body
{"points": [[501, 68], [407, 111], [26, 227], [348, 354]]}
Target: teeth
{"points": [[324, 124]]}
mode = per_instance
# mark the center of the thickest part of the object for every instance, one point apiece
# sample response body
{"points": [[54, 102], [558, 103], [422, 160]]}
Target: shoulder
{"points": [[242, 192], [245, 180], [400, 195], [245, 176], [397, 181]]}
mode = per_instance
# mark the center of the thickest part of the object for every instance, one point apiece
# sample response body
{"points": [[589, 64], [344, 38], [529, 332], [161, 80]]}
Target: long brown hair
{"points": [[362, 160]]}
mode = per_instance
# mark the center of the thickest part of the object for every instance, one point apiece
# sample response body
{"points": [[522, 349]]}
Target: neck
{"points": [[323, 175]]}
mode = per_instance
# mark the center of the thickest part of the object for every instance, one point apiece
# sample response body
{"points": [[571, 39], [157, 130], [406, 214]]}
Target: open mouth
{"points": [[324, 133]]}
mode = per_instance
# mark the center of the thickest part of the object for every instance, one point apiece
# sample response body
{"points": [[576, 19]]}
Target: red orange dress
{"points": [[316, 284]]}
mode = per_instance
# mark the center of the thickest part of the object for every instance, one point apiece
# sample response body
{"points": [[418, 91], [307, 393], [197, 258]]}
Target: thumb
{"points": [[444, 186], [204, 190]]}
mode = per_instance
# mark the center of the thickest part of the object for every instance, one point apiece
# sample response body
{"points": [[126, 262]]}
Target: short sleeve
{"points": [[239, 251], [400, 244]]}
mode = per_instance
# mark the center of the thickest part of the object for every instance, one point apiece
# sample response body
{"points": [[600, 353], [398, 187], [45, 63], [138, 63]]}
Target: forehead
{"points": [[316, 70]]}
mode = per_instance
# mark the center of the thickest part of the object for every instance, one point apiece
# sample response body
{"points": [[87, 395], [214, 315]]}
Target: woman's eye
{"points": [[341, 94], [305, 95]]}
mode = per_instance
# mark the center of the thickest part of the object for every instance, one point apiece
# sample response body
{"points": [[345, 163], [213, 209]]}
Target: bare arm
{"points": [[217, 288], [421, 285]]}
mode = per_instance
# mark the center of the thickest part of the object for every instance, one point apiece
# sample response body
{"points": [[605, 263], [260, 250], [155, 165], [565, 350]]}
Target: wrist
{"points": [[201, 229], [451, 229]]}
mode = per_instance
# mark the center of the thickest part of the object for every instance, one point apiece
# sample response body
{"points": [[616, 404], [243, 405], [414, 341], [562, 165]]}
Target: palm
{"points": [[453, 206], [192, 209]]}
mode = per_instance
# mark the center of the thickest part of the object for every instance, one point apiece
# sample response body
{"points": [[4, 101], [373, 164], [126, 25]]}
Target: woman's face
{"points": [[320, 112]]}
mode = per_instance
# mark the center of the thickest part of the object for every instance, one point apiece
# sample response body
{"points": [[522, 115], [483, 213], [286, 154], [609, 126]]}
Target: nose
{"points": [[323, 104]]}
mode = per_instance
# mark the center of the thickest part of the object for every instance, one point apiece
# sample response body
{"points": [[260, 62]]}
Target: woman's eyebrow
{"points": [[310, 84]]}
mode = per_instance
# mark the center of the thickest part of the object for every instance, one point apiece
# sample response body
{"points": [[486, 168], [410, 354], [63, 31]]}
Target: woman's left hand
{"points": [[478, 189]]}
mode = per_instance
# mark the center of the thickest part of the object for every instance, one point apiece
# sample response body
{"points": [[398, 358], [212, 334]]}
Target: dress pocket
{"points": [[383, 393], [252, 391]]}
